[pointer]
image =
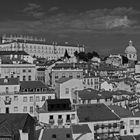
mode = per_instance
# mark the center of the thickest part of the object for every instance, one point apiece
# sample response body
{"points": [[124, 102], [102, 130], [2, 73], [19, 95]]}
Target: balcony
{"points": [[51, 121], [7, 101], [60, 121], [68, 121]]}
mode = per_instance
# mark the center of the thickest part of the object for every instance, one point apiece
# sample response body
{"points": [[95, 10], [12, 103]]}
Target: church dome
{"points": [[130, 49]]}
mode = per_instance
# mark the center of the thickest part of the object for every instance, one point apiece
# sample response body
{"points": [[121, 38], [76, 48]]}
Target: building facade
{"points": [[39, 47]]}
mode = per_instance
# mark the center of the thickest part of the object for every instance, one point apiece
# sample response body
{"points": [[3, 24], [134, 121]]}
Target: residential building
{"points": [[130, 122], [64, 70], [25, 72], [40, 74], [31, 96], [57, 112], [16, 56], [103, 123], [91, 81], [54, 133], [17, 126], [65, 88], [106, 85], [9, 85], [90, 96], [115, 60]]}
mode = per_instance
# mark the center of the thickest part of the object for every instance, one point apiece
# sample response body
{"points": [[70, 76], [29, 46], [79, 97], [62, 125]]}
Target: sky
{"points": [[105, 26]]}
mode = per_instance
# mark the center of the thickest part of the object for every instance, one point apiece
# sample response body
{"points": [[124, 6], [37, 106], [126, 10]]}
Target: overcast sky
{"points": [[104, 26]]}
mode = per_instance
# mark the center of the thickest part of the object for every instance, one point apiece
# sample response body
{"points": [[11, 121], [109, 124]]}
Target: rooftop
{"points": [[62, 80], [79, 129], [9, 81], [57, 133], [121, 112], [32, 84], [10, 122], [13, 53], [95, 112]]}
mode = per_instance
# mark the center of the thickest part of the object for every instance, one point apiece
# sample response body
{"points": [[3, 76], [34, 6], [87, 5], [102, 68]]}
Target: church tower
{"points": [[131, 52]]}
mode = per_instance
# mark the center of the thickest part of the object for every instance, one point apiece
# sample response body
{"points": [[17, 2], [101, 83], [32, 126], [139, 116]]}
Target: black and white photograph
{"points": [[69, 70]]}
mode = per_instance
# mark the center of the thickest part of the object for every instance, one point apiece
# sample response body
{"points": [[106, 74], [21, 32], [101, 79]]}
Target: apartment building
{"points": [[103, 123], [25, 72], [65, 88], [31, 96], [57, 112], [91, 81], [65, 71]]}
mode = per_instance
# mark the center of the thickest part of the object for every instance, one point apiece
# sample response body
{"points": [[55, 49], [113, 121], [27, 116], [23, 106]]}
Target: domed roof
{"points": [[130, 49]]}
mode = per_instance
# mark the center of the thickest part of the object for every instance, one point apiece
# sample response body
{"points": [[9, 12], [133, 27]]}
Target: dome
{"points": [[130, 49]]}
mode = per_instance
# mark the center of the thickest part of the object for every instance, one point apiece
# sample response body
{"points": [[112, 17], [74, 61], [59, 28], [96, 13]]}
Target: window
{"points": [[31, 109], [24, 78], [56, 76], [25, 109], [29, 70], [125, 132], [63, 75], [51, 117], [49, 97], [29, 78], [37, 99], [24, 99], [131, 122], [15, 98], [15, 109], [67, 135], [67, 90], [15, 88], [24, 70], [131, 130], [70, 76], [6, 89], [54, 136], [59, 116], [43, 98], [137, 122], [31, 98], [78, 75]]}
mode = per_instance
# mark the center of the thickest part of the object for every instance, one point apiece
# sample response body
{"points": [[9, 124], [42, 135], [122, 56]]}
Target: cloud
{"points": [[52, 9], [97, 21], [34, 10]]}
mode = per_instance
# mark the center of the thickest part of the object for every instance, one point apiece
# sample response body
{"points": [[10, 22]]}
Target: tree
{"points": [[66, 55], [89, 55], [95, 54], [124, 59], [76, 53]]}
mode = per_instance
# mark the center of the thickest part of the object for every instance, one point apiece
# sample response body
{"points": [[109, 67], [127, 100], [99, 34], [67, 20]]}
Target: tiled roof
{"points": [[89, 94], [32, 84], [62, 80], [41, 69], [137, 114], [13, 53], [121, 112], [94, 113], [9, 81], [59, 133], [127, 138], [46, 106], [12, 122], [79, 129], [137, 137]]}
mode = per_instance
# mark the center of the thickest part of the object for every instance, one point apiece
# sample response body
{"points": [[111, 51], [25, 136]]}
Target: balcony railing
{"points": [[60, 121], [51, 121]]}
